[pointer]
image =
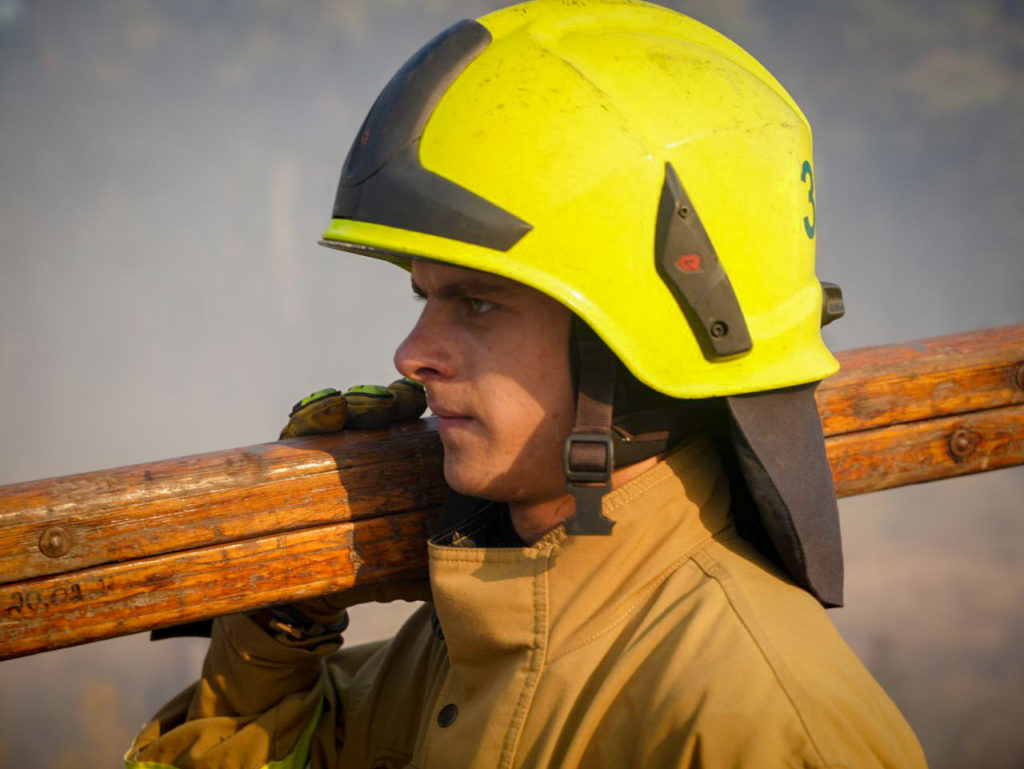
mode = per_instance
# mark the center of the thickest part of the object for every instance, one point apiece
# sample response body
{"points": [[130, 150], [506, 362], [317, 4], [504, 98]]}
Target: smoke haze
{"points": [[167, 169]]}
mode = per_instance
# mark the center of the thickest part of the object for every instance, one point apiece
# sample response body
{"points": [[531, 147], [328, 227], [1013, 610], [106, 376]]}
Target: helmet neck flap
{"points": [[783, 497]]}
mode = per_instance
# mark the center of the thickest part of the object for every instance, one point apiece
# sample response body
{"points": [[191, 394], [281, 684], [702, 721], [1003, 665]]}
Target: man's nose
{"points": [[424, 355]]}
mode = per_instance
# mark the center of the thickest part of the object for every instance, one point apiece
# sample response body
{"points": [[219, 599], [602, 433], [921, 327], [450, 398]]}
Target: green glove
{"points": [[364, 407]]}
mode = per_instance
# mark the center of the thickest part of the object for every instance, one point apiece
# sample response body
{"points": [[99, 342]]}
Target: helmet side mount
{"points": [[688, 264], [832, 305]]}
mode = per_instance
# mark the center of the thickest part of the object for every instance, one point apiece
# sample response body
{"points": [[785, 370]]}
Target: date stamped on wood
{"points": [[26, 604]]}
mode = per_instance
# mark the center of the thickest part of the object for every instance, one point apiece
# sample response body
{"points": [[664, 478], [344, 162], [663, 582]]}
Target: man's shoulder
{"points": [[727, 625], [744, 649]]}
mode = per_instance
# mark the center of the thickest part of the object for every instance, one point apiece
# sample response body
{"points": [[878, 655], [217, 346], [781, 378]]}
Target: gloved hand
{"points": [[316, 621], [313, 622], [364, 407]]}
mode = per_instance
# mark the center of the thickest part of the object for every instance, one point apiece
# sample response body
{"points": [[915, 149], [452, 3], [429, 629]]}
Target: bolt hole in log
{"points": [[55, 541], [962, 443]]}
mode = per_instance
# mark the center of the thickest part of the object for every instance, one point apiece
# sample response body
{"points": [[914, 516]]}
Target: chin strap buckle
{"points": [[588, 455], [587, 460], [579, 449]]}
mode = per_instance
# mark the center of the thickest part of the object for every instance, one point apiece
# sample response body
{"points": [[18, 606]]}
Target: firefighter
{"points": [[608, 212]]}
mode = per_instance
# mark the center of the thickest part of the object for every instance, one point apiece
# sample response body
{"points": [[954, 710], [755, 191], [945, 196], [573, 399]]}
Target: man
{"points": [[608, 211]]}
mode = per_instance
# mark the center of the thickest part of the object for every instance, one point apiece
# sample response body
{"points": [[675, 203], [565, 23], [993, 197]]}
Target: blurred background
{"points": [[166, 171]]}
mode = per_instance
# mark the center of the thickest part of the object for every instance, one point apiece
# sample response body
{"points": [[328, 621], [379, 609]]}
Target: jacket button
{"points": [[448, 714]]}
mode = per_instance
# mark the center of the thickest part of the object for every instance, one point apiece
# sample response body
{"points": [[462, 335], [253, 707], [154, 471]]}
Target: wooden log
{"points": [[224, 496], [132, 596], [924, 379], [97, 555], [917, 452]]}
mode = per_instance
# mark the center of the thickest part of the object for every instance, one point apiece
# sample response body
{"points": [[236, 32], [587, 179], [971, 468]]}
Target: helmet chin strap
{"points": [[588, 455], [601, 440]]}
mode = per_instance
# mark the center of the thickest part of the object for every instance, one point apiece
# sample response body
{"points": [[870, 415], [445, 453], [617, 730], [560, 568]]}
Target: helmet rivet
{"points": [[719, 329], [683, 211]]}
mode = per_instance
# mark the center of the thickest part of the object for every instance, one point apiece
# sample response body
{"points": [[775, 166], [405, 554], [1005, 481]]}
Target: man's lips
{"points": [[447, 417], [447, 414]]}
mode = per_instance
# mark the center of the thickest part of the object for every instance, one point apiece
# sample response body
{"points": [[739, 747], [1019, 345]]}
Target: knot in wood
{"points": [[55, 541], [1018, 376]]}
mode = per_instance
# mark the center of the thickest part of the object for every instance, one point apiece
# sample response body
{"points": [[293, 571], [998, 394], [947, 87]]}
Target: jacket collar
{"points": [[564, 589]]}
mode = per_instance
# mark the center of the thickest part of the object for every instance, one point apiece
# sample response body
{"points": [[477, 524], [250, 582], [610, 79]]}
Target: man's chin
{"points": [[466, 485], [494, 488], [471, 481]]}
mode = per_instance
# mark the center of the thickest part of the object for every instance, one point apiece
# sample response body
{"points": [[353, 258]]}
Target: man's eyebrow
{"points": [[465, 287]]}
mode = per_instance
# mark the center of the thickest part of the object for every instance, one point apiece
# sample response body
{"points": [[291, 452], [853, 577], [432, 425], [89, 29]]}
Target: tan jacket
{"points": [[670, 643]]}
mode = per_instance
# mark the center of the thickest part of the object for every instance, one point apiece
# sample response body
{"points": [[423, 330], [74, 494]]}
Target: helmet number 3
{"points": [[807, 175]]}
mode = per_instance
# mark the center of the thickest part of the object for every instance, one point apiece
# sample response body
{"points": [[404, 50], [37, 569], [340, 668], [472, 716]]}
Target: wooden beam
{"points": [[142, 594], [177, 504], [103, 554], [923, 379], [929, 450]]}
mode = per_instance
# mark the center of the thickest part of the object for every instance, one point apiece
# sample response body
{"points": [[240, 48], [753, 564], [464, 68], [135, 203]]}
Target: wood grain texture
{"points": [[923, 379], [178, 504], [117, 599], [929, 450], [97, 555]]}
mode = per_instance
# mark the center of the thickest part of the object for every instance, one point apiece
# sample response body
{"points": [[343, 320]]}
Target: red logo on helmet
{"points": [[690, 263]]}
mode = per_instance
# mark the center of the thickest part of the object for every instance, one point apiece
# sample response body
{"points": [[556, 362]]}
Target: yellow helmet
{"points": [[651, 176], [626, 160]]}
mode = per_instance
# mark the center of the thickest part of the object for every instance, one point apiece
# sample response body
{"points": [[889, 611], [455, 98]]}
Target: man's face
{"points": [[493, 355]]}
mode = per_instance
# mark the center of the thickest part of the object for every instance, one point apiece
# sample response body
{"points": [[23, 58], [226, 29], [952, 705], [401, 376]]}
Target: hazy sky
{"points": [[168, 167]]}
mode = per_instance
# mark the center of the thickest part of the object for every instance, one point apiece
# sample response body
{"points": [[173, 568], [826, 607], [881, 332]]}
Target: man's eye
{"points": [[479, 306]]}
